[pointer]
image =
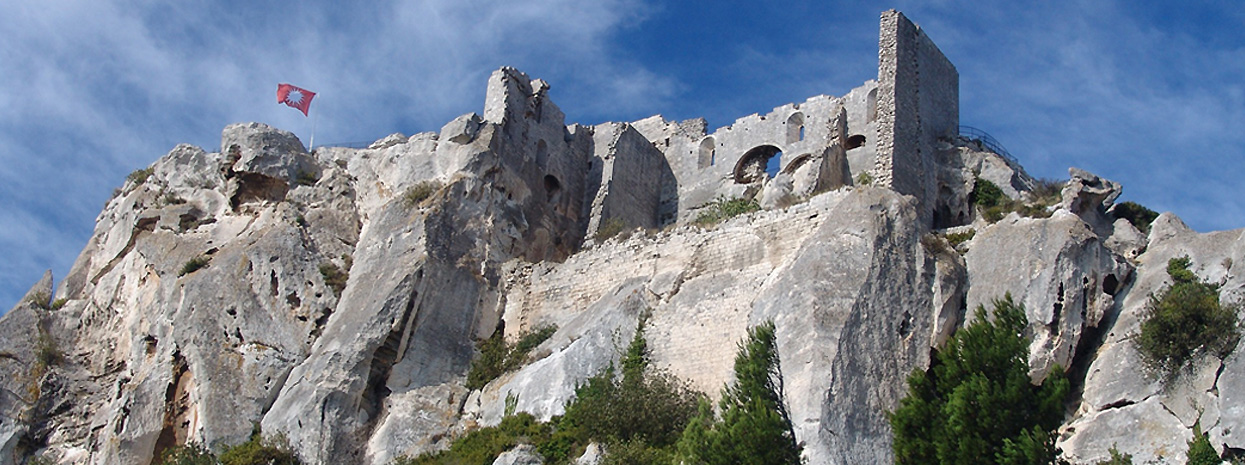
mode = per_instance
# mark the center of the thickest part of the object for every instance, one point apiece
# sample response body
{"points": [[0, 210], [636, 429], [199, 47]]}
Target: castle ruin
{"points": [[885, 132]]}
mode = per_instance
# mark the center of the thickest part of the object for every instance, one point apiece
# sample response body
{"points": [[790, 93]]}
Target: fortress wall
{"points": [[918, 102], [632, 173]]}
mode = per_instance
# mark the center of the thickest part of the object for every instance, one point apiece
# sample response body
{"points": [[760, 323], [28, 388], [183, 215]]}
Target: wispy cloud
{"points": [[94, 89]]}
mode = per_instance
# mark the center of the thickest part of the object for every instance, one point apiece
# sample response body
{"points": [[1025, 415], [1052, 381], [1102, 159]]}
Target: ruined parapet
{"points": [[917, 103], [549, 159], [630, 175]]}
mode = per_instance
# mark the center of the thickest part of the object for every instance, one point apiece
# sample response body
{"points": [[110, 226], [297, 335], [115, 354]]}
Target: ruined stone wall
{"points": [[918, 103], [631, 173]]}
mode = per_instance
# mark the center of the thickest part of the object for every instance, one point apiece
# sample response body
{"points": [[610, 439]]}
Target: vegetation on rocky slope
{"points": [[976, 404], [497, 357], [642, 415], [1184, 321]]}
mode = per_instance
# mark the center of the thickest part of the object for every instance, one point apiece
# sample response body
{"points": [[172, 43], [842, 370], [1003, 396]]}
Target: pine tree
{"points": [[755, 427], [976, 404], [1200, 451]]}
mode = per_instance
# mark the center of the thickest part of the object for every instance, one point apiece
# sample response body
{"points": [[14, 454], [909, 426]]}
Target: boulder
{"points": [[523, 454]]}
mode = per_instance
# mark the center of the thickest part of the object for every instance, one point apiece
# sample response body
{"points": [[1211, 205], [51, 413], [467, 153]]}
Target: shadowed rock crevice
{"points": [[255, 187], [178, 409]]}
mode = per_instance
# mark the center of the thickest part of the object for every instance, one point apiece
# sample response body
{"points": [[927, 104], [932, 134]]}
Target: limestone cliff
{"points": [[337, 297]]}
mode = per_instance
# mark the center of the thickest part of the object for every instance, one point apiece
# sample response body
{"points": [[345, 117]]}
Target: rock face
{"points": [[336, 297]]}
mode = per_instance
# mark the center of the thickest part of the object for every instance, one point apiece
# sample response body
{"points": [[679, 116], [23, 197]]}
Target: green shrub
{"points": [[483, 445], [497, 357], [987, 194], [638, 416], [419, 192], [640, 405], [636, 452], [194, 265], [306, 178], [260, 450], [754, 426], [140, 176], [40, 300], [722, 209], [1117, 458], [334, 277], [47, 351], [1184, 321], [58, 303], [864, 179], [189, 454], [961, 237], [1135, 213], [975, 403], [994, 204], [1048, 191], [1200, 451], [609, 228]]}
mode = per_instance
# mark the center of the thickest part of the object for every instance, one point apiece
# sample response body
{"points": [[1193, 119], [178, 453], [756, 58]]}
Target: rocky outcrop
{"points": [[1125, 405]]}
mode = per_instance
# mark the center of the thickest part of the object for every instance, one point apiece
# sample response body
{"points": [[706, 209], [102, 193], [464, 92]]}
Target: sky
{"points": [[1145, 93]]}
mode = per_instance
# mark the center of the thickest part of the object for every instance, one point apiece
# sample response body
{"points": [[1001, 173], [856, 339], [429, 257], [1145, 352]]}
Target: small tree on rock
{"points": [[755, 427], [976, 404]]}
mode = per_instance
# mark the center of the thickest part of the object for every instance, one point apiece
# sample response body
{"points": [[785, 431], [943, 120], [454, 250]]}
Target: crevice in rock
{"points": [[255, 187], [1118, 404], [1057, 311], [383, 359], [1091, 341], [177, 407]]}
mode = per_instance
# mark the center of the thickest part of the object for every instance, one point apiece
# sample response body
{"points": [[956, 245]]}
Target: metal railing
{"points": [[987, 141]]}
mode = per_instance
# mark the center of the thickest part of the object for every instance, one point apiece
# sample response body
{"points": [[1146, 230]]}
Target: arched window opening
{"points": [[758, 164], [871, 106], [552, 186], [542, 153], [855, 141], [773, 165], [795, 128], [705, 159]]}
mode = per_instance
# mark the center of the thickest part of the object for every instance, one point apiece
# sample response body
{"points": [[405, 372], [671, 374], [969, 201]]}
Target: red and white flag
{"points": [[295, 97]]}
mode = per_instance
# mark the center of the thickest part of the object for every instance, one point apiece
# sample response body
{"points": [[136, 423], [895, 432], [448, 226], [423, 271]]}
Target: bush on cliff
{"points": [[497, 357], [1135, 213], [1185, 320], [638, 416], [643, 408], [975, 404]]}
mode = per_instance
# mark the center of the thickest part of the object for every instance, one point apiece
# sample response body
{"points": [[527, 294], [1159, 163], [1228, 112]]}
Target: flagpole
{"points": [[313, 130]]}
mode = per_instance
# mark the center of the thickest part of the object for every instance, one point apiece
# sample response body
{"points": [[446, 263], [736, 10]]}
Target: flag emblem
{"points": [[295, 97]]}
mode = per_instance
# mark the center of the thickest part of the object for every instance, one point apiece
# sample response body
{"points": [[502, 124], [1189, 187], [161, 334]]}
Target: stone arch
{"points": [[752, 166], [855, 141], [795, 128], [796, 163], [705, 158]]}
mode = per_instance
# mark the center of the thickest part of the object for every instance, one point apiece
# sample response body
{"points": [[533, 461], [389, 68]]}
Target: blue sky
{"points": [[1150, 94]]}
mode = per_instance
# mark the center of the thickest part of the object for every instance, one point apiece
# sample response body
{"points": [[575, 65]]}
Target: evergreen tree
{"points": [[976, 403], [1200, 451], [755, 427]]}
